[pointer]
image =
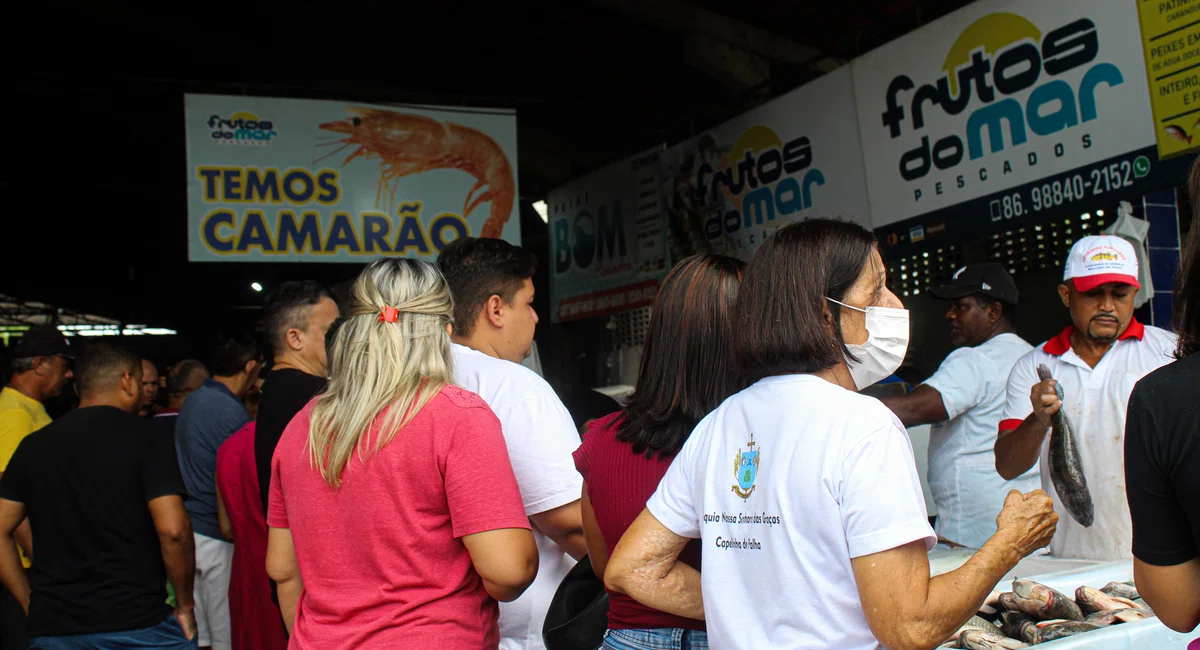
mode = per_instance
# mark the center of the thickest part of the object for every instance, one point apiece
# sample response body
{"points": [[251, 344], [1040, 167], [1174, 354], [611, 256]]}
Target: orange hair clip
{"points": [[388, 314]]}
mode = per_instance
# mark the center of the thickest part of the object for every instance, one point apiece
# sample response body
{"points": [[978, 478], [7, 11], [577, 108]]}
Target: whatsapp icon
{"points": [[1141, 166]]}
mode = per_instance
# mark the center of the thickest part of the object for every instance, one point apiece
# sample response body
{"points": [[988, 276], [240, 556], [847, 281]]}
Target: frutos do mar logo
{"points": [[241, 127], [1009, 77], [762, 177]]}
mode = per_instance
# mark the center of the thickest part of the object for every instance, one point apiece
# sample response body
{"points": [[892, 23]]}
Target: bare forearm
{"points": [[678, 592], [907, 410], [922, 621], [24, 537], [13, 574], [289, 600], [179, 558], [1173, 592], [564, 526], [1018, 450], [572, 543], [956, 596], [503, 593]]}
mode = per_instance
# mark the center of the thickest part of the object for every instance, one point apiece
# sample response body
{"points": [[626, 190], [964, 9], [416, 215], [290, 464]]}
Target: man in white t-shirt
{"points": [[963, 400], [494, 322], [1096, 360]]}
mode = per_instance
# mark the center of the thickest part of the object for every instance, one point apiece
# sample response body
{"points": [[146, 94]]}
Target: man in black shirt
{"points": [[297, 316], [103, 493]]}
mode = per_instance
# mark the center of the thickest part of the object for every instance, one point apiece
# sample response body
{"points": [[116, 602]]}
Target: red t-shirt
{"points": [[619, 483], [381, 557]]}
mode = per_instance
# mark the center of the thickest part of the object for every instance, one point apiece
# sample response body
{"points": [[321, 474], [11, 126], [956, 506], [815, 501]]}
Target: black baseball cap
{"points": [[987, 278], [43, 341]]}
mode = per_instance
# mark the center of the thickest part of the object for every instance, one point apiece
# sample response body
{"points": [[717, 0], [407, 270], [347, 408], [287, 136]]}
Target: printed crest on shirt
{"points": [[745, 469]]}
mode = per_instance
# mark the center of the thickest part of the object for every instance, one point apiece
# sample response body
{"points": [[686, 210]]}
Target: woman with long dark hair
{"points": [[686, 371], [803, 491], [1162, 457]]}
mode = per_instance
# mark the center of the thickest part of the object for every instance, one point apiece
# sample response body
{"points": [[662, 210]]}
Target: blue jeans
{"points": [[167, 635], [660, 639]]}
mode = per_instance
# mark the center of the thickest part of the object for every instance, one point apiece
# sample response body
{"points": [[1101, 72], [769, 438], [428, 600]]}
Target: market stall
{"points": [[1066, 576]]}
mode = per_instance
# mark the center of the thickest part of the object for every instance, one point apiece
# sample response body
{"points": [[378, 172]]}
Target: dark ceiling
{"points": [[95, 216]]}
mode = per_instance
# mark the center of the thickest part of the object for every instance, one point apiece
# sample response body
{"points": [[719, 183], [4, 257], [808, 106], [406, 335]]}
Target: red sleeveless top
{"points": [[619, 482]]}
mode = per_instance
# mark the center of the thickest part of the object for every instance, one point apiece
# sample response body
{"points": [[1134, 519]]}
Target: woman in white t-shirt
{"points": [[803, 492]]}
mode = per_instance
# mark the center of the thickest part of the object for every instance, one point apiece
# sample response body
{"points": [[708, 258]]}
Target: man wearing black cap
{"points": [[964, 401], [41, 366]]}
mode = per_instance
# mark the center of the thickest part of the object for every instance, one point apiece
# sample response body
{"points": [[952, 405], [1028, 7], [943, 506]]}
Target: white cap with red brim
{"points": [[1101, 259]]}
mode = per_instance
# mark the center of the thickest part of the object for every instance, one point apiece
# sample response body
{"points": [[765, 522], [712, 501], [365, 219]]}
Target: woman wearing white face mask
{"points": [[804, 492]]}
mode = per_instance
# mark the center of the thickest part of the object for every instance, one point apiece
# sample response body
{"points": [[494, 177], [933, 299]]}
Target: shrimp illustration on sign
{"points": [[408, 144]]}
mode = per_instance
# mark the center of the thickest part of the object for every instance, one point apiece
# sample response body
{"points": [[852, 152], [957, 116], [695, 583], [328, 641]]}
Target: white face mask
{"points": [[887, 341]]}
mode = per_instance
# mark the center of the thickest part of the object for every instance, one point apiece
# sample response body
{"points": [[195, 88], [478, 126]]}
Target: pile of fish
{"points": [[1033, 613]]}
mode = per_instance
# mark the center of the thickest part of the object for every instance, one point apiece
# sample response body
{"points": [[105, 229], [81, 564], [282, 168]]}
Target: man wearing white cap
{"points": [[1096, 360]]}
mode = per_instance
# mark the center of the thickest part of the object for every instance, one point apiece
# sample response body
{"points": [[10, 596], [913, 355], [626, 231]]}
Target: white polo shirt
{"points": [[784, 483], [541, 437], [1095, 403], [968, 491]]}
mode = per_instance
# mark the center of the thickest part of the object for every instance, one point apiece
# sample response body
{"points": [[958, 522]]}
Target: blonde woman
{"points": [[395, 520]]}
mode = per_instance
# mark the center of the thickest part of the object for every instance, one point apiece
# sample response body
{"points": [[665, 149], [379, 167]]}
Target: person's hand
{"points": [[187, 620], [1045, 401], [1027, 521]]}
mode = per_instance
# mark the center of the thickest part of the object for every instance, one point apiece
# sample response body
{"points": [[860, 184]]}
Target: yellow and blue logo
{"points": [[758, 177], [1010, 74], [745, 469]]}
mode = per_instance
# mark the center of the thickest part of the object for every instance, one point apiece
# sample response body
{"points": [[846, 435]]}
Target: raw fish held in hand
{"points": [[1066, 468]]}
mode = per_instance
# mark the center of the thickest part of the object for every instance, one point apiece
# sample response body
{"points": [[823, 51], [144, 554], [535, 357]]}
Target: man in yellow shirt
{"points": [[41, 366]]}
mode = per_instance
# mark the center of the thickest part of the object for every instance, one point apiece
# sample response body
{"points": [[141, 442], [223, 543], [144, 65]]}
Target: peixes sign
{"points": [[1171, 39]]}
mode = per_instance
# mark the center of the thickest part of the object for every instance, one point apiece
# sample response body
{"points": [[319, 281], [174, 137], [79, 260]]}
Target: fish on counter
{"points": [[984, 640], [1034, 613], [1121, 590], [1093, 600], [1066, 467], [1063, 629], [1114, 616], [991, 604], [976, 623], [1043, 603], [1018, 626]]}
